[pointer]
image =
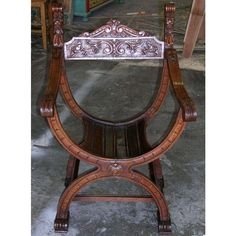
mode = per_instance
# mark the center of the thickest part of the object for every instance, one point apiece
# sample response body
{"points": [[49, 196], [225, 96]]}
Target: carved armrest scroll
{"points": [[186, 103], [54, 74]]}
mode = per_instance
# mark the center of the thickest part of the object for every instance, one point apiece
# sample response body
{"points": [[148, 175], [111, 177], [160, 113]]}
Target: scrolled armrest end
{"points": [[47, 107], [190, 115], [189, 112]]}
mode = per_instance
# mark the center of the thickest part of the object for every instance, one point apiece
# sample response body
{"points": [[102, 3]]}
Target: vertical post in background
{"points": [[195, 27]]}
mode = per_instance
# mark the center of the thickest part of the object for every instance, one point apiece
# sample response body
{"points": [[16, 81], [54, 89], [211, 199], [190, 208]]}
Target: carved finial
{"points": [[114, 29], [57, 25], [169, 24], [170, 7]]}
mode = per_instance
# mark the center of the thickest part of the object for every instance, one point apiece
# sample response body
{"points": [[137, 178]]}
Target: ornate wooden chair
{"points": [[99, 145]]}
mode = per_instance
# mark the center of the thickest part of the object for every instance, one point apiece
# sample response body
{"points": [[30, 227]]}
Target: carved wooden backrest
{"points": [[114, 41]]}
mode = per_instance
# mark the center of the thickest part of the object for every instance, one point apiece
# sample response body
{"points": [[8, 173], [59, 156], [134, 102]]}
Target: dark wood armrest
{"points": [[186, 103], [54, 75]]}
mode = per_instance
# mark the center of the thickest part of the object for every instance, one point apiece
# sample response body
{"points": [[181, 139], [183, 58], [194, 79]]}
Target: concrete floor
{"points": [[112, 83]]}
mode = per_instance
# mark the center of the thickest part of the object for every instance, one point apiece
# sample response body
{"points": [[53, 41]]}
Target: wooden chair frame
{"points": [[91, 150]]}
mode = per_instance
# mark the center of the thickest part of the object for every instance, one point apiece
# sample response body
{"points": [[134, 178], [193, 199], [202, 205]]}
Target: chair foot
{"points": [[61, 224], [164, 227]]}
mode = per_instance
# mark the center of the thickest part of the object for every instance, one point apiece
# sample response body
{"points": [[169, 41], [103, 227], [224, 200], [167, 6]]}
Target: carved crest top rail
{"points": [[114, 41]]}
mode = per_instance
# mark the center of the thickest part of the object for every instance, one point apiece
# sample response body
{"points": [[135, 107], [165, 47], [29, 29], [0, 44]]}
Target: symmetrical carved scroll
{"points": [[57, 18], [169, 24], [114, 29], [114, 41]]}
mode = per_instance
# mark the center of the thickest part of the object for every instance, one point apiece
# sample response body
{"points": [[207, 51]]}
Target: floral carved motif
{"points": [[114, 41], [115, 168], [169, 24], [57, 13]]}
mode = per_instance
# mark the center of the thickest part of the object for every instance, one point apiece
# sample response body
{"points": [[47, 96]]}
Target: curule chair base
{"points": [[71, 193]]}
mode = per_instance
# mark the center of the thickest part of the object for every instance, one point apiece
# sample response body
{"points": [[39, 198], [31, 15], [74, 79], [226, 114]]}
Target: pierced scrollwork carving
{"points": [[114, 41]]}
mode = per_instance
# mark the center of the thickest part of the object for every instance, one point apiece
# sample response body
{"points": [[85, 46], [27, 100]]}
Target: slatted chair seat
{"points": [[123, 141]]}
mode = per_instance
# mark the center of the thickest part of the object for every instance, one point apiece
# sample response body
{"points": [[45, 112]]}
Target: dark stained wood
{"points": [[56, 39], [81, 153], [133, 141], [56, 19], [98, 141], [67, 95], [156, 173], [71, 170], [105, 140], [48, 102], [186, 103], [169, 24], [110, 142], [87, 143], [114, 148], [161, 93]]}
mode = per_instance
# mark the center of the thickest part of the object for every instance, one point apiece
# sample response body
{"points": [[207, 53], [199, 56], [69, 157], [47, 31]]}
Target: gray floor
{"points": [[114, 90]]}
